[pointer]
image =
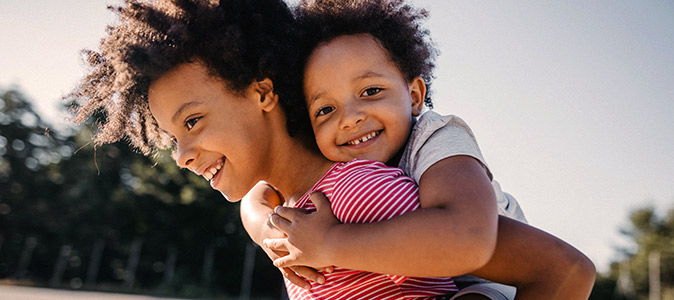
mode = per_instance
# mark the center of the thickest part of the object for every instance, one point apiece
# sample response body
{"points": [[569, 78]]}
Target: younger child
{"points": [[364, 83]]}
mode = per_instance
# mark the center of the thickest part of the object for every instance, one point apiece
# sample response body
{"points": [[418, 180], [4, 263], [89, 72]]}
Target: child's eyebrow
{"points": [[314, 97], [184, 107], [368, 74]]}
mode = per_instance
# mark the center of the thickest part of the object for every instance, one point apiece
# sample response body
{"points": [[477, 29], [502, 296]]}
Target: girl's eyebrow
{"points": [[184, 107]]}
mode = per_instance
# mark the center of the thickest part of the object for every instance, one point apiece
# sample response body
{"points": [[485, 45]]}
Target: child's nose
{"points": [[352, 116]]}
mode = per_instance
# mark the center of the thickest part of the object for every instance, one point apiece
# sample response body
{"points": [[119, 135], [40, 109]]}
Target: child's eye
{"points": [[189, 124], [371, 92], [324, 111]]}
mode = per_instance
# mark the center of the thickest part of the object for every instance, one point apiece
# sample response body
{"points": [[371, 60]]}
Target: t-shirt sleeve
{"points": [[455, 138], [368, 192]]}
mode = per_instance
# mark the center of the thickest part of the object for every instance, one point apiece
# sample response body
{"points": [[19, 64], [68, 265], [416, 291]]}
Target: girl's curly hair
{"points": [[394, 24], [239, 40]]}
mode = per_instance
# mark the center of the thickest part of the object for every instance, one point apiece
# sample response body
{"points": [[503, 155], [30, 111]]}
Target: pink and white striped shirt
{"points": [[364, 191]]}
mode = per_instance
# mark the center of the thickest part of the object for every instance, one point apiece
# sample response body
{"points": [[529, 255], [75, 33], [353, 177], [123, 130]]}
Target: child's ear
{"points": [[265, 89], [417, 88]]}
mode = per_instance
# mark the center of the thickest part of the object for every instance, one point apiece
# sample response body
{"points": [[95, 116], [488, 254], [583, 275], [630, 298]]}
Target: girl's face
{"points": [[218, 134], [359, 103]]}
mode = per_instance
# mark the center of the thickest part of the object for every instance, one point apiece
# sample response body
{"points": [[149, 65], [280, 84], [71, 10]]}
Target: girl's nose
{"points": [[184, 155]]}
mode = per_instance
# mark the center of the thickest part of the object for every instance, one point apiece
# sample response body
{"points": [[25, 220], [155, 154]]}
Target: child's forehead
{"points": [[359, 44], [356, 57], [364, 40]]}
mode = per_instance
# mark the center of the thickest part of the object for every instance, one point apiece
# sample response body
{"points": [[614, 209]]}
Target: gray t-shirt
{"points": [[436, 137]]}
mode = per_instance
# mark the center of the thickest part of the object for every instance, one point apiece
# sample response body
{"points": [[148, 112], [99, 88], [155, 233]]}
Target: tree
{"points": [[650, 233]]}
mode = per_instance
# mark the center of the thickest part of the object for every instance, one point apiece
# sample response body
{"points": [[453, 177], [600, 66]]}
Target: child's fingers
{"points": [[276, 244], [289, 213], [285, 261], [279, 222], [309, 273], [328, 269], [320, 201], [294, 278]]}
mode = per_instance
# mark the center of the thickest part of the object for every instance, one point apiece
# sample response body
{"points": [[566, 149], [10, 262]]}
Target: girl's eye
{"points": [[371, 92], [324, 111], [191, 122]]}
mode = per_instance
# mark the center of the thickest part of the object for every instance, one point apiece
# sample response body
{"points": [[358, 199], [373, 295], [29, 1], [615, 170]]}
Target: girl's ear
{"points": [[268, 99], [417, 88]]}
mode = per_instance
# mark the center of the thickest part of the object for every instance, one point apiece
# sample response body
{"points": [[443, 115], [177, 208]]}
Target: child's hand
{"points": [[297, 275], [305, 234]]}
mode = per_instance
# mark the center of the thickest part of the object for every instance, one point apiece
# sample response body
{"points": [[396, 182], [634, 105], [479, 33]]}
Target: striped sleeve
{"points": [[368, 191]]}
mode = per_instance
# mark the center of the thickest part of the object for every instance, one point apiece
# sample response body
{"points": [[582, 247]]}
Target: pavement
{"points": [[10, 292]]}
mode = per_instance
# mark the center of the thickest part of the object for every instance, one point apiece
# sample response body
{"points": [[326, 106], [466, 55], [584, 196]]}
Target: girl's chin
{"points": [[228, 193]]}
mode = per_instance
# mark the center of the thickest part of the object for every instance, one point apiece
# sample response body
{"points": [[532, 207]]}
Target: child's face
{"points": [[360, 105], [217, 133]]}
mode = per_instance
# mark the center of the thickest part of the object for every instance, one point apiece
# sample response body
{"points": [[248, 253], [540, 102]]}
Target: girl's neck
{"points": [[296, 168]]}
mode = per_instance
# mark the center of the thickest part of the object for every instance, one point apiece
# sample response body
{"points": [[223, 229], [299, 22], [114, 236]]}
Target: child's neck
{"points": [[395, 160]]}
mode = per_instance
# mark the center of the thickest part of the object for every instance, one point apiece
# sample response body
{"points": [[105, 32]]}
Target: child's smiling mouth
{"points": [[364, 138]]}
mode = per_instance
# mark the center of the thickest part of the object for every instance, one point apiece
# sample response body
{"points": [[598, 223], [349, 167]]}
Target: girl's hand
{"points": [[305, 233]]}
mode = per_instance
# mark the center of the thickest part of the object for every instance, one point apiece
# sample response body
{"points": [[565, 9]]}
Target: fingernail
{"points": [[321, 280]]}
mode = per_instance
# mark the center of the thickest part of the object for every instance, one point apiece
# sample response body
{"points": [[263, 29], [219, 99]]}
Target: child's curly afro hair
{"points": [[239, 40], [394, 24]]}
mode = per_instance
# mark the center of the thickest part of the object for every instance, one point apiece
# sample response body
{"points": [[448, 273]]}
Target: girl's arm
{"points": [[453, 233], [540, 265]]}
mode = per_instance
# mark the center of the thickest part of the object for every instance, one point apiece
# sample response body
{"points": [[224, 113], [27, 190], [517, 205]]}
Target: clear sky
{"points": [[572, 102]]}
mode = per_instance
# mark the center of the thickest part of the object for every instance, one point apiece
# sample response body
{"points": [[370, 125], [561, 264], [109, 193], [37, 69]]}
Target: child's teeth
{"points": [[208, 176], [213, 170], [364, 139]]}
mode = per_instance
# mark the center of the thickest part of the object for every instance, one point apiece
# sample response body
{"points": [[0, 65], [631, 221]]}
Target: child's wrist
{"points": [[332, 243]]}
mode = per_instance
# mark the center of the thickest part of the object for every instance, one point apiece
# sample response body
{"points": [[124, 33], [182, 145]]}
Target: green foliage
{"points": [[58, 189], [649, 232]]}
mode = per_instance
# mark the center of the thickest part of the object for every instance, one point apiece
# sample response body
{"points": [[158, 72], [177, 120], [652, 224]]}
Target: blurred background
{"points": [[571, 102]]}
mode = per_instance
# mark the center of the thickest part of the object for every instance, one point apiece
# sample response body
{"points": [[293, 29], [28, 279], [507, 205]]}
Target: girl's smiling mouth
{"points": [[214, 170]]}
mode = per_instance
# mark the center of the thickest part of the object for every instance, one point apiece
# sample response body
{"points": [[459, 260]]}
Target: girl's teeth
{"points": [[210, 173]]}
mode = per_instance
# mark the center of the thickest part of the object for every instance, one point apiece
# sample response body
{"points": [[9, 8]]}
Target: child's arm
{"points": [[453, 233], [538, 264], [255, 208]]}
